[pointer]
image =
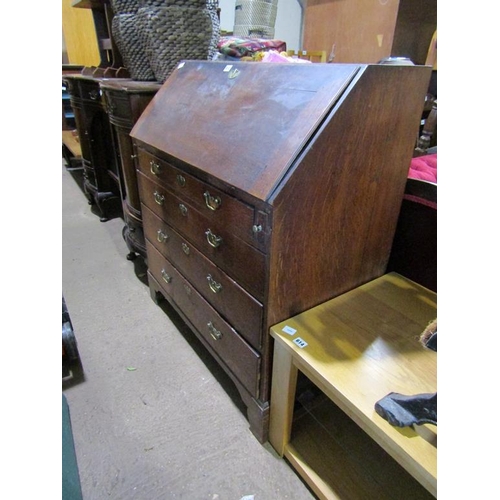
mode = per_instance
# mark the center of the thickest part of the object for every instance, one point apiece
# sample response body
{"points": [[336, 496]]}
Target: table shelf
{"points": [[357, 348]]}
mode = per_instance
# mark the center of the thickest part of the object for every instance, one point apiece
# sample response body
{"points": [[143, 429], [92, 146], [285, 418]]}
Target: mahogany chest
{"points": [[100, 165], [125, 100], [267, 189]]}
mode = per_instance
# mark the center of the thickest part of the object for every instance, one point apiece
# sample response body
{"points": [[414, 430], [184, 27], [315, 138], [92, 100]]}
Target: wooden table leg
{"points": [[284, 384]]}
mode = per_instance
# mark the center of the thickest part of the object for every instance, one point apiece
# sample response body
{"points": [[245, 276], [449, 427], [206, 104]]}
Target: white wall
{"points": [[288, 21]]}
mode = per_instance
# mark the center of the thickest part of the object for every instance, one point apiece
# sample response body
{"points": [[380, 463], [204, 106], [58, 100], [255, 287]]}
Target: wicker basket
{"points": [[255, 18], [125, 6], [131, 46], [177, 33], [253, 31], [194, 4]]}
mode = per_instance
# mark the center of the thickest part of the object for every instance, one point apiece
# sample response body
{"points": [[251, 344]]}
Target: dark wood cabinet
{"points": [[267, 189], [125, 100], [101, 169]]}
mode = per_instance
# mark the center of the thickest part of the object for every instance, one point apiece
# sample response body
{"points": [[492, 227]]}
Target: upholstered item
{"points": [[424, 168], [414, 248]]}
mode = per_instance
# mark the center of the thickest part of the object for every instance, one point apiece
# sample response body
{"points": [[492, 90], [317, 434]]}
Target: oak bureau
{"points": [[267, 189]]}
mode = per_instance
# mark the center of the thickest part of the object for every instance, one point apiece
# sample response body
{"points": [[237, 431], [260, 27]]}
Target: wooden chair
{"points": [[414, 248], [427, 141], [310, 55]]}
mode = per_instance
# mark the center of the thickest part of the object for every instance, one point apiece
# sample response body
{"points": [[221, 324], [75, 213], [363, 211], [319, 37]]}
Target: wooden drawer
{"points": [[214, 239], [89, 90], [241, 310], [216, 205], [118, 107], [238, 356]]}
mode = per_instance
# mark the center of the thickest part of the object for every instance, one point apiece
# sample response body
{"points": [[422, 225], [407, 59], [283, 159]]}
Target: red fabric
{"points": [[424, 168]]}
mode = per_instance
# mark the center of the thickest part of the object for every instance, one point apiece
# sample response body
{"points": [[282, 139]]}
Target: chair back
{"points": [[414, 248]]}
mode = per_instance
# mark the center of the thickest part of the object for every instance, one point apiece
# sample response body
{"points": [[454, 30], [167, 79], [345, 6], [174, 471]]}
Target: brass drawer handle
{"points": [[185, 249], [216, 334], [159, 198], [161, 236], [166, 277], [181, 180], [183, 209], [213, 240], [154, 167], [212, 202], [214, 286]]}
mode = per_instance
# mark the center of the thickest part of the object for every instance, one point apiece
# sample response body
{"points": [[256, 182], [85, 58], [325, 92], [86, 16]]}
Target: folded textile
{"points": [[240, 46]]}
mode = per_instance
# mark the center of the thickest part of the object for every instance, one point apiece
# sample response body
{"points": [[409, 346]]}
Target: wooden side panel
{"points": [[335, 217], [361, 30], [79, 35]]}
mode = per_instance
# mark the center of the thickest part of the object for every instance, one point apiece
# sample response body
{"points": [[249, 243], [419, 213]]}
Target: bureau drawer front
{"points": [[216, 205], [241, 310], [242, 262], [238, 356]]}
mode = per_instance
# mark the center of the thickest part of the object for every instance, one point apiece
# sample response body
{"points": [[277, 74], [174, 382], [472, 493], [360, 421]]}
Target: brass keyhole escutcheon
{"points": [[166, 277], [183, 209], [181, 180]]}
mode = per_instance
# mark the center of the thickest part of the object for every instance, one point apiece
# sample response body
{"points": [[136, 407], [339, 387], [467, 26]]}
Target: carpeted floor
{"points": [[153, 416]]}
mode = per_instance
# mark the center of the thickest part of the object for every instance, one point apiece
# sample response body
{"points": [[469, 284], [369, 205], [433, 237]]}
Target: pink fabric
{"points": [[424, 168]]}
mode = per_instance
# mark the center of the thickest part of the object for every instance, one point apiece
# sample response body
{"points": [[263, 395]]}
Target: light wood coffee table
{"points": [[357, 348]]}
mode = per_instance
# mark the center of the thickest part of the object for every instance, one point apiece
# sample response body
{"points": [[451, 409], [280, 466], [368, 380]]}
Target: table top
{"points": [[363, 345]]}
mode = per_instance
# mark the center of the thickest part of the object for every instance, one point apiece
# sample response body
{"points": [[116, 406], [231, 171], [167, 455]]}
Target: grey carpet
{"points": [[153, 416]]}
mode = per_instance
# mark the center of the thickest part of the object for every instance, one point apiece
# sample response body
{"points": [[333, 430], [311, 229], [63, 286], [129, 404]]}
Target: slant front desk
{"points": [[267, 189]]}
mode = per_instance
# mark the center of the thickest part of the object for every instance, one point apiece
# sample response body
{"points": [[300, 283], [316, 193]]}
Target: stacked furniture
{"points": [[101, 169], [267, 189]]}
